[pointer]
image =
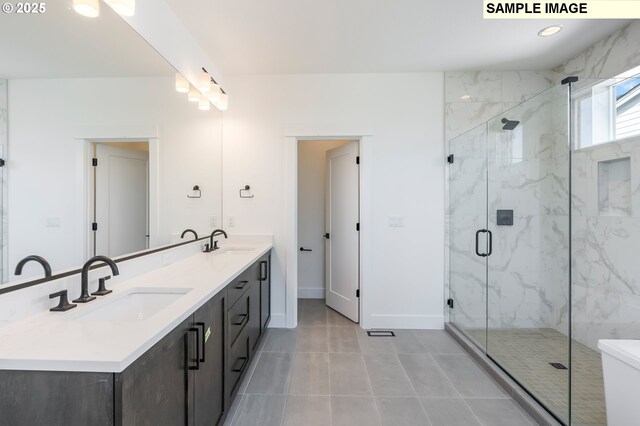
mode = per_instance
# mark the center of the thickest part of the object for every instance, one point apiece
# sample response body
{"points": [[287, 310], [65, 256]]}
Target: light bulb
{"points": [[194, 95], [214, 95], [182, 84], [123, 7], [90, 8], [204, 82], [204, 104], [223, 102]]}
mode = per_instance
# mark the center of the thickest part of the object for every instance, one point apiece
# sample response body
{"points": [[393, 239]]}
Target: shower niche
{"points": [[614, 187]]}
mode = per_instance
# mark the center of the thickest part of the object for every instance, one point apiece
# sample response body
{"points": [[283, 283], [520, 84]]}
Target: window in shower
{"points": [[609, 110]]}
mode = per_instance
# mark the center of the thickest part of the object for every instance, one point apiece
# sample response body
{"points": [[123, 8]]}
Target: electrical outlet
{"points": [[231, 221], [213, 222]]}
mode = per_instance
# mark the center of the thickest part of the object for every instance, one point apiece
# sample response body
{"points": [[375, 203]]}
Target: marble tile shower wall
{"points": [[606, 271], [606, 287], [523, 265]]}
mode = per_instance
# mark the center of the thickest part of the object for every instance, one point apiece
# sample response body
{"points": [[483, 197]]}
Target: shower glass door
{"points": [[528, 230], [466, 215]]}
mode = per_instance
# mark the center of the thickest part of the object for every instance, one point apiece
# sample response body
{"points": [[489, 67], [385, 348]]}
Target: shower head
{"points": [[509, 124]]}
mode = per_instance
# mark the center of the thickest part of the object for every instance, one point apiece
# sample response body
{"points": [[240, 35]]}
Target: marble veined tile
{"points": [[481, 86], [615, 54]]}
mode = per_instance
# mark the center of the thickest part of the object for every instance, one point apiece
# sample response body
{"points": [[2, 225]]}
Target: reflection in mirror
{"points": [[77, 91]]}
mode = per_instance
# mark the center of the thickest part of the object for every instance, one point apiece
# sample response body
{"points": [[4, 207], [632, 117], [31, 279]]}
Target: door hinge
{"points": [[94, 226], [450, 159], [358, 226], [358, 293], [358, 159], [94, 162], [450, 303]]}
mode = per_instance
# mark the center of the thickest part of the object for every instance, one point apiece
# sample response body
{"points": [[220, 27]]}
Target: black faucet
{"points": [[195, 234], [84, 296], [41, 260], [214, 246]]}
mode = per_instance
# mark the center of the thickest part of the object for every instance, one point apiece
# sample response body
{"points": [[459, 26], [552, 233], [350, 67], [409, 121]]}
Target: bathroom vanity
{"points": [[180, 360]]}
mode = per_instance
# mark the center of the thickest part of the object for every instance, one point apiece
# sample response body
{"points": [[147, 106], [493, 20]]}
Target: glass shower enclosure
{"points": [[543, 215]]}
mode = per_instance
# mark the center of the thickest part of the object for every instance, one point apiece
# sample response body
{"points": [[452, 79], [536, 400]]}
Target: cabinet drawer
{"points": [[239, 357], [238, 287], [238, 317]]}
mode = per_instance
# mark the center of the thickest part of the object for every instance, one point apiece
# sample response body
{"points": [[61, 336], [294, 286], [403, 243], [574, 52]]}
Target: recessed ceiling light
{"points": [[549, 31], [465, 97], [90, 8]]}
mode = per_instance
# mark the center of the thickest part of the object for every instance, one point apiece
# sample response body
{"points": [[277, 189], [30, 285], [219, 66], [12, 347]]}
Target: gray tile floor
{"points": [[329, 372]]}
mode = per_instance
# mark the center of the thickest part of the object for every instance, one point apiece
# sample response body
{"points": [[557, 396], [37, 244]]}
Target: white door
{"points": [[121, 200], [342, 244]]}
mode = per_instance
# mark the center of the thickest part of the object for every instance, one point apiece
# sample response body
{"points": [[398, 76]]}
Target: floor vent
{"points": [[381, 333], [558, 365]]}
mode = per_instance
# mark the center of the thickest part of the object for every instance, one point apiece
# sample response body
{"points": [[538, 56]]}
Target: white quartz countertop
{"points": [[54, 341]]}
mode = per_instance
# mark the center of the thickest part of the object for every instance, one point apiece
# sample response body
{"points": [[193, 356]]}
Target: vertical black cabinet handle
{"points": [[263, 271], [197, 366], [203, 337], [490, 243]]}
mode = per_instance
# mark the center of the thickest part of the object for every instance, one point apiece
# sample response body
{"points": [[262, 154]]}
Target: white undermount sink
{"points": [[136, 304], [236, 249]]}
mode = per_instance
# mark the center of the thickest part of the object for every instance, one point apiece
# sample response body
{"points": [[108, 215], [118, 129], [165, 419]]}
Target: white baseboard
{"points": [[311, 293], [416, 322], [278, 321]]}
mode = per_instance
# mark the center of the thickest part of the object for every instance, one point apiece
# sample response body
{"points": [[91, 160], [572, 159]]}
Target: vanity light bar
{"points": [[214, 95]]}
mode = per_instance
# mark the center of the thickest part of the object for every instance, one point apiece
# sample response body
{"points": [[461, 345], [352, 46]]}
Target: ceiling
{"points": [[375, 36], [62, 44]]}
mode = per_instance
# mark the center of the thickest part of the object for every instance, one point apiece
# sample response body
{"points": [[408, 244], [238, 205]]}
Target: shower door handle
{"points": [[490, 243], [477, 243]]}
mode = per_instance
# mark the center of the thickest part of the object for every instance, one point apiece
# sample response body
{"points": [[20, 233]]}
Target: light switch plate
{"points": [[396, 222]]}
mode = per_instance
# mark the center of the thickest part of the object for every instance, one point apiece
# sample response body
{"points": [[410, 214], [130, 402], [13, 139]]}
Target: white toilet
{"points": [[621, 370]]}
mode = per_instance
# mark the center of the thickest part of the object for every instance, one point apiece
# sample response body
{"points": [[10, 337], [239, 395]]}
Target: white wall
{"points": [[312, 163], [48, 119], [404, 115]]}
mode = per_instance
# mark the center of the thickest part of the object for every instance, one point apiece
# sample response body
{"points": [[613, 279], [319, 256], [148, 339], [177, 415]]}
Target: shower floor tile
{"points": [[527, 353]]}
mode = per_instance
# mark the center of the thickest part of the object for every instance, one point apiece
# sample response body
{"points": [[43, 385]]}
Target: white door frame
{"points": [[154, 186], [292, 136]]}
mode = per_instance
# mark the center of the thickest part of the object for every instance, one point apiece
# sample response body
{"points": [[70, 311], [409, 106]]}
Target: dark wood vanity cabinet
{"points": [[189, 377], [180, 380]]}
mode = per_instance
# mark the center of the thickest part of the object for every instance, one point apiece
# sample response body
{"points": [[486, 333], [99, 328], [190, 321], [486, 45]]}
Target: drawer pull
{"points": [[264, 270], [241, 285], [243, 318], [239, 369]]}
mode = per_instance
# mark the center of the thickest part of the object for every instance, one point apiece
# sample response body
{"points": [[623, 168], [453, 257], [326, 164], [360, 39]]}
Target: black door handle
{"points": [[477, 242], [490, 243], [241, 285], [304, 249], [326, 235]]}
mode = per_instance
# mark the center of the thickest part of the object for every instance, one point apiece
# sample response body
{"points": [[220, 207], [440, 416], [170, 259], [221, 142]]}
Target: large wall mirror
{"points": [[74, 89]]}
